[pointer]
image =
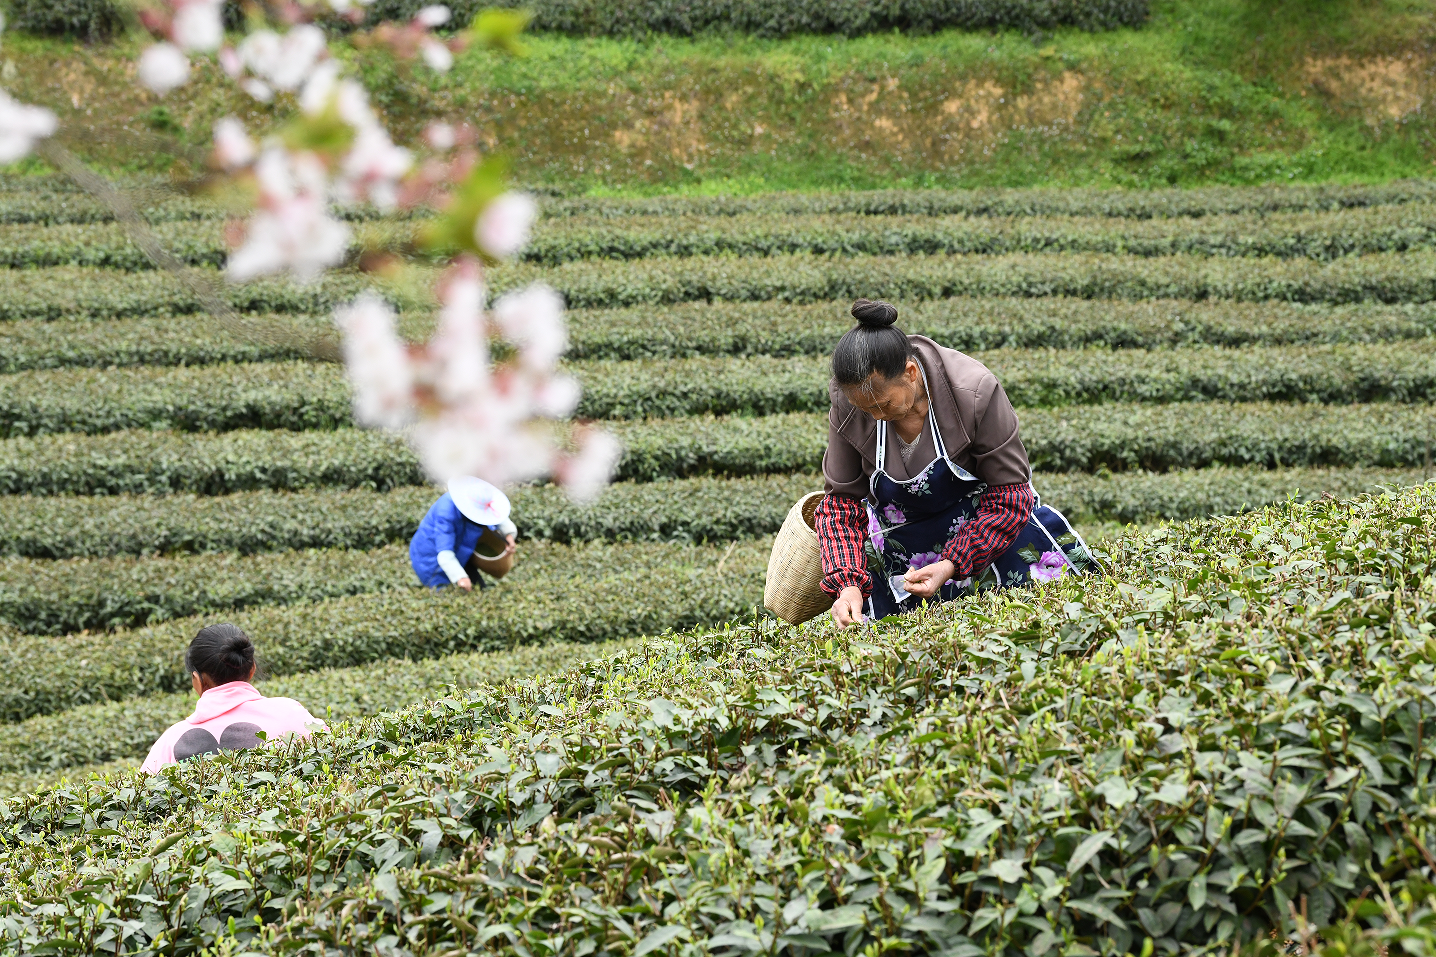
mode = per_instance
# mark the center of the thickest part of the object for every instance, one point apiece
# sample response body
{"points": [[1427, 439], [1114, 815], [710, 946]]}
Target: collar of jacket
{"points": [[860, 429]]}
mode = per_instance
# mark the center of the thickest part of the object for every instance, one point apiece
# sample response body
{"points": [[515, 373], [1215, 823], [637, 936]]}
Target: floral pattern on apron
{"points": [[909, 523]]}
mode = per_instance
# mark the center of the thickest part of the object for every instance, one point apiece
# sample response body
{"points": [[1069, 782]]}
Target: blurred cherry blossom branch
{"points": [[463, 413]]}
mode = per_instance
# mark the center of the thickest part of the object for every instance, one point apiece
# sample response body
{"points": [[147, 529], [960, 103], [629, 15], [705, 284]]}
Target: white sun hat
{"points": [[479, 501]]}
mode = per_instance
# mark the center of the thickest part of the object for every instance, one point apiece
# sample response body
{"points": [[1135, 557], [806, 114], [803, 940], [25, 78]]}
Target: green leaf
{"points": [[1087, 850], [662, 935]]}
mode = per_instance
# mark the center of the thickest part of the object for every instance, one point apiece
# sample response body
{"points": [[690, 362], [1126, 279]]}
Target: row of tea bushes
{"points": [[694, 509], [111, 731], [687, 330], [1381, 277], [304, 396], [1074, 439], [55, 200], [98, 594], [606, 592], [1127, 204], [72, 291], [1321, 236], [904, 786]]}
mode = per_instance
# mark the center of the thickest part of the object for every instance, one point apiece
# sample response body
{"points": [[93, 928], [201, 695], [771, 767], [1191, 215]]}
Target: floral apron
{"points": [[909, 523]]}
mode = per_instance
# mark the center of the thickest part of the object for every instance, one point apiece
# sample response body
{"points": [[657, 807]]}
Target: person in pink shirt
{"points": [[231, 712]]}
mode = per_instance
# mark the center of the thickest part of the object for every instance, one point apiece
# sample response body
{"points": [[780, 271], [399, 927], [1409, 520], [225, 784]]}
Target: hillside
{"points": [[1209, 91]]}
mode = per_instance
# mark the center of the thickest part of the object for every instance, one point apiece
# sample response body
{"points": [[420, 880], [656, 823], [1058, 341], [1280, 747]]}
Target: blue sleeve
{"points": [[448, 525]]}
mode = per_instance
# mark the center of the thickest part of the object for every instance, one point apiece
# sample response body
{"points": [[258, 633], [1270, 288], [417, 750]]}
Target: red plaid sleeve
{"points": [[1001, 513], [842, 526]]}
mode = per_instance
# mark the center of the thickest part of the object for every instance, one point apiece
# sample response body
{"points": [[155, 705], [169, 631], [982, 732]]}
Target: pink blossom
{"points": [[434, 15], [503, 227], [163, 67], [377, 363], [894, 515], [585, 474], [20, 126], [232, 146], [197, 25], [1050, 567], [292, 229], [533, 321], [924, 559]]}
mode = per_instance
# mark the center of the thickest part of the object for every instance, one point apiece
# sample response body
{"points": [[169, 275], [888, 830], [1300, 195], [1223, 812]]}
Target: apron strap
{"points": [[882, 445]]}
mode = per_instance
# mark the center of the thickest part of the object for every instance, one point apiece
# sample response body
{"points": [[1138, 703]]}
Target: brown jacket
{"points": [[977, 423]]}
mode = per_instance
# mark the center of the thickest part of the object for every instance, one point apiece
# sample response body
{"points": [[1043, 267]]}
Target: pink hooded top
{"points": [[228, 717]]}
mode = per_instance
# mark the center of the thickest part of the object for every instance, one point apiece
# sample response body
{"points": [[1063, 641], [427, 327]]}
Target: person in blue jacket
{"points": [[443, 549]]}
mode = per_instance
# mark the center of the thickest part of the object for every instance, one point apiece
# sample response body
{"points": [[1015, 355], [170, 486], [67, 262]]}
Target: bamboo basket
{"points": [[489, 556], [795, 567]]}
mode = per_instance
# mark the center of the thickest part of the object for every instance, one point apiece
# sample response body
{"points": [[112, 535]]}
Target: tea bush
{"points": [[607, 592], [1182, 752]]}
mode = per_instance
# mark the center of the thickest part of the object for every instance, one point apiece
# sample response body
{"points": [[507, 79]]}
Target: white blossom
{"points": [[232, 146], [20, 126], [292, 230], [285, 62], [163, 67], [377, 363], [434, 15], [585, 474], [460, 351], [436, 55], [372, 168], [440, 136], [503, 227], [556, 398], [198, 25], [533, 321]]}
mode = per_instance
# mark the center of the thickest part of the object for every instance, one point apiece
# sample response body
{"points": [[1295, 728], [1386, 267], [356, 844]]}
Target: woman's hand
{"points": [[924, 582], [464, 583], [511, 546], [848, 608]]}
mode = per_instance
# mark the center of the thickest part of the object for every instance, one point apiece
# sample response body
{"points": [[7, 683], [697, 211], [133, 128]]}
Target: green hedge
{"points": [[41, 597], [99, 733], [1380, 277], [53, 200], [1074, 439], [1188, 751], [71, 291], [302, 396], [1124, 203], [695, 509], [603, 592], [688, 330], [1287, 235], [87, 19], [1321, 236]]}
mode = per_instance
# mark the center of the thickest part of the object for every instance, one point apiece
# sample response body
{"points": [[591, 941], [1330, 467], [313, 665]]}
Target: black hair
{"points": [[222, 653], [873, 345]]}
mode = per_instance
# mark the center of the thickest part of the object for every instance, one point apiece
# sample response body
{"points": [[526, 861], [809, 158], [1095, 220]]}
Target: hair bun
{"points": [[874, 314]]}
